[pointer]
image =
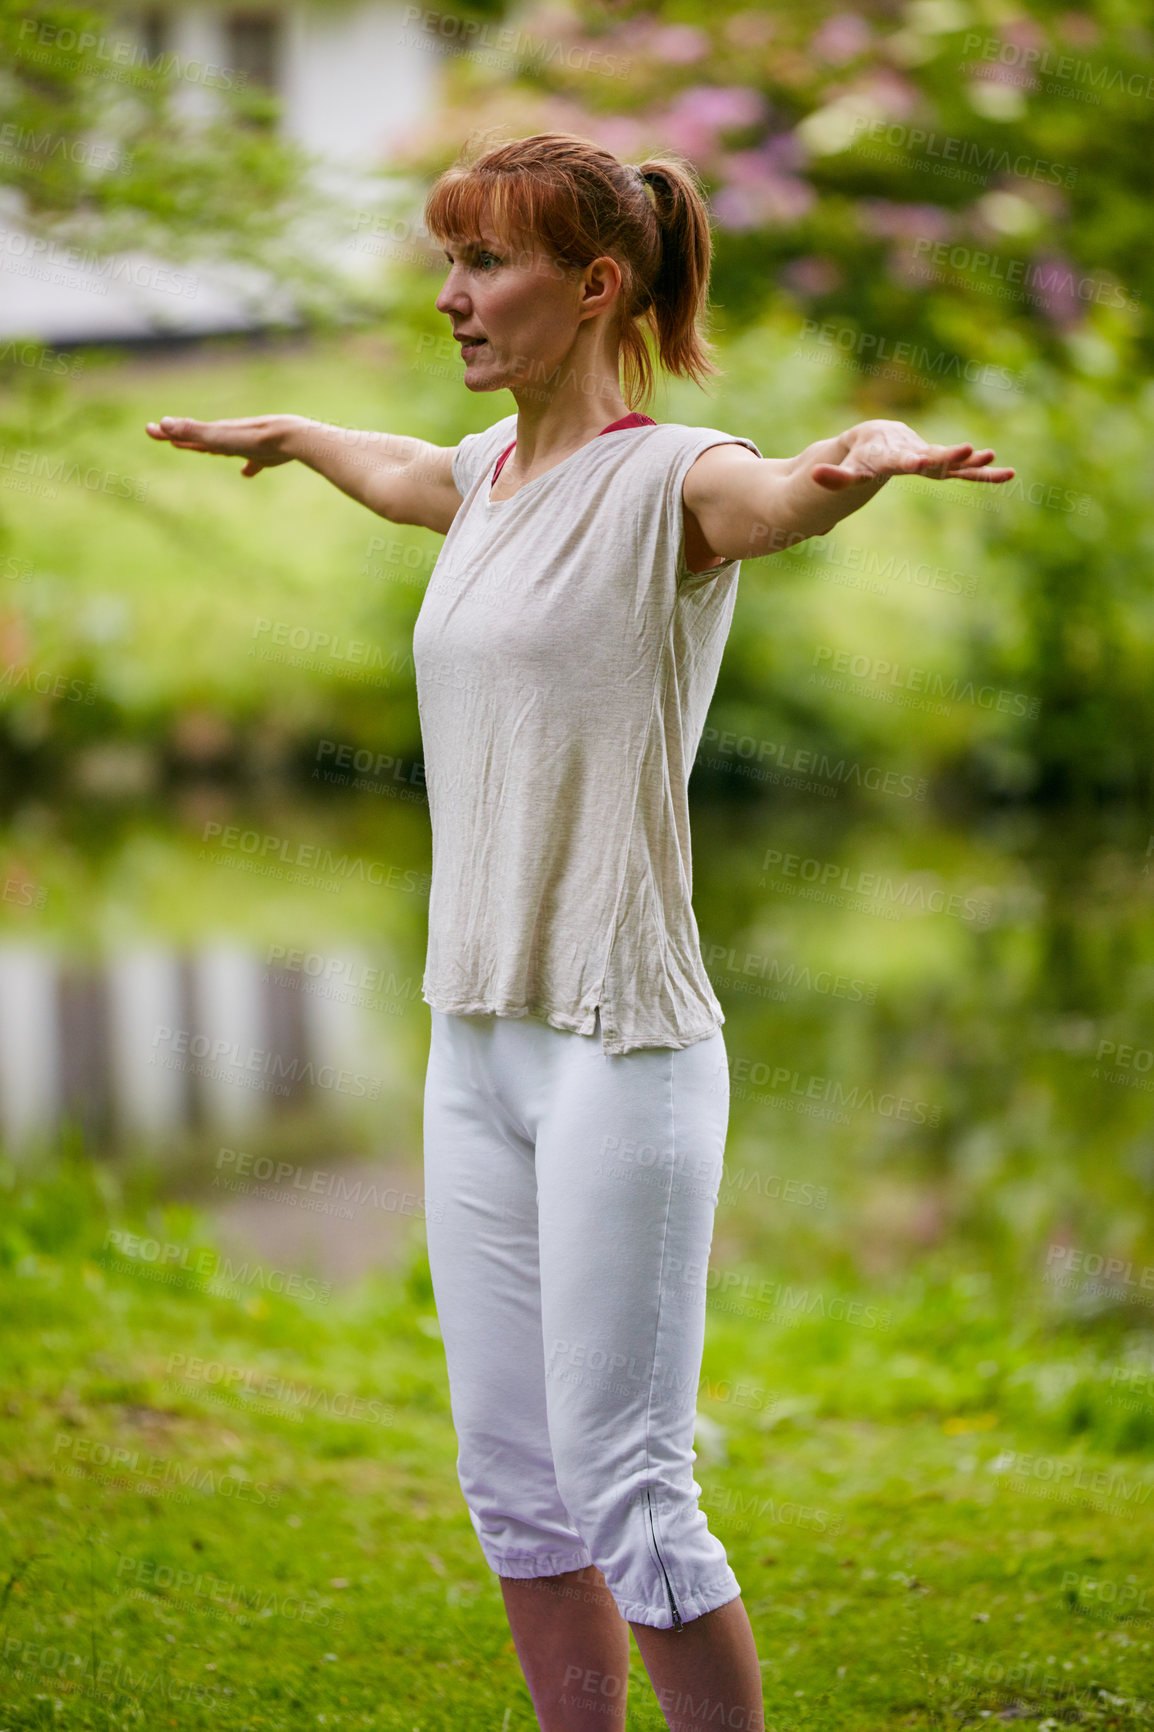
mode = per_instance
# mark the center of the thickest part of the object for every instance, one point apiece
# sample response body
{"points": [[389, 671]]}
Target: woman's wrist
{"points": [[290, 433]]}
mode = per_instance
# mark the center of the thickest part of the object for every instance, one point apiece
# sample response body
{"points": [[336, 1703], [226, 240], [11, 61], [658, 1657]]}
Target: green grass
{"points": [[270, 1555]]}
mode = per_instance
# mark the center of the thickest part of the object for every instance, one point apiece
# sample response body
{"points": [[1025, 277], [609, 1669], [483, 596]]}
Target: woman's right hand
{"points": [[260, 439]]}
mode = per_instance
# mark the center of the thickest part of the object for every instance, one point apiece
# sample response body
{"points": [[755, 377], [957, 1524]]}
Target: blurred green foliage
{"points": [[101, 151]]}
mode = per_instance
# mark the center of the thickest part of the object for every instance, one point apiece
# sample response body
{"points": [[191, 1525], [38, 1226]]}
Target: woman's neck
{"points": [[548, 431]]}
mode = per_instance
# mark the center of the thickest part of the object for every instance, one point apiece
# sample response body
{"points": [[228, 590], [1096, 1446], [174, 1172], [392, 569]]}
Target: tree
{"points": [[934, 190], [104, 150]]}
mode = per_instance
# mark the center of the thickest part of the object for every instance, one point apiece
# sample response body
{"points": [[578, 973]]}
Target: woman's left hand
{"points": [[875, 450]]}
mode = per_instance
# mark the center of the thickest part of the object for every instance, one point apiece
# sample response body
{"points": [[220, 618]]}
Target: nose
{"points": [[452, 297]]}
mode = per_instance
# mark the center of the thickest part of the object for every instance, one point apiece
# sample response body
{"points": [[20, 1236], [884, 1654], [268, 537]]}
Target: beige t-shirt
{"points": [[565, 661]]}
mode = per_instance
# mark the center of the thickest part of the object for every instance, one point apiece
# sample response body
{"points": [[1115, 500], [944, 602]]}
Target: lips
{"points": [[470, 343]]}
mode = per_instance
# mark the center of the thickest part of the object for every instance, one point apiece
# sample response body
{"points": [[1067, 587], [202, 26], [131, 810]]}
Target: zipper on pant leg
{"points": [[653, 1535]]}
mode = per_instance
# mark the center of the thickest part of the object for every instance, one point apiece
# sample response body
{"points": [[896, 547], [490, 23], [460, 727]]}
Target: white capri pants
{"points": [[570, 1198]]}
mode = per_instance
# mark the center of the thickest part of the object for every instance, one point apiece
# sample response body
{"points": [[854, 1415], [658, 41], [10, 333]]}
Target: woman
{"points": [[576, 1098]]}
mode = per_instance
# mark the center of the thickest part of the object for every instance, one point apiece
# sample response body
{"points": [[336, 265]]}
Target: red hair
{"points": [[580, 203]]}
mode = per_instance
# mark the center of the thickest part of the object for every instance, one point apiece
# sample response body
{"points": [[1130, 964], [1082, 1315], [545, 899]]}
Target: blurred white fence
{"points": [[151, 1043]]}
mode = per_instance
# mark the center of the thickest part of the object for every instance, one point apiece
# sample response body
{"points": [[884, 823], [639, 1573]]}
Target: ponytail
{"points": [[679, 289]]}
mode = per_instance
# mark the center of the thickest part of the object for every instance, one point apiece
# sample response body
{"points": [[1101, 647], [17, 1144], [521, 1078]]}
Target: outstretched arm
{"points": [[406, 480], [747, 506]]}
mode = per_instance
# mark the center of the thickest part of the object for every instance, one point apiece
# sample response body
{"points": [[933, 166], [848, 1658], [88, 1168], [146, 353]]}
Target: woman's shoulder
{"points": [[500, 433], [477, 452], [668, 440]]}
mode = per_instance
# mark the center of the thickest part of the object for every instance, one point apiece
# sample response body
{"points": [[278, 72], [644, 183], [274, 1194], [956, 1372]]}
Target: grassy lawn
{"points": [[225, 1504]]}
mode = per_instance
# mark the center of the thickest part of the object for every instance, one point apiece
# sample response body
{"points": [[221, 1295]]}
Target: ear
{"points": [[601, 285]]}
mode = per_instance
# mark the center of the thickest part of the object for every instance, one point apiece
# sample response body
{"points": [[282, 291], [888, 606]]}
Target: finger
{"points": [[898, 460], [252, 467], [833, 476], [967, 472], [899, 450], [179, 427], [943, 456], [941, 453], [977, 461], [165, 434], [906, 463], [937, 470]]}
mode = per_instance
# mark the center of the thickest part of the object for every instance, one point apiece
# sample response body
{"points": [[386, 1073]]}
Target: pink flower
{"points": [[811, 275], [1053, 282], [758, 186], [734, 209], [750, 168], [680, 44], [885, 220], [1024, 33], [624, 135], [997, 72], [840, 38], [767, 198], [896, 96], [697, 116]]}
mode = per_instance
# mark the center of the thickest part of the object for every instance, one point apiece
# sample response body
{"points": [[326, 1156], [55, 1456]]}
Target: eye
{"points": [[475, 258]]}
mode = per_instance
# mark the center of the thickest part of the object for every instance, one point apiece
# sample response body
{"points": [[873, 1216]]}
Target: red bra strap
{"points": [[635, 419], [501, 460]]}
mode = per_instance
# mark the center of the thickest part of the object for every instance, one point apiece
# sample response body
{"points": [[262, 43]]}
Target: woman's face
{"points": [[516, 310]]}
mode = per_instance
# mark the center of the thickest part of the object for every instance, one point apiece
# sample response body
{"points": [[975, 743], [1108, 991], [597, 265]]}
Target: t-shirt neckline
{"points": [[633, 419]]}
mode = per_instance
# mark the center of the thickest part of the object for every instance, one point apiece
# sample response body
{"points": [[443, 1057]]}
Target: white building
{"points": [[353, 80]]}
